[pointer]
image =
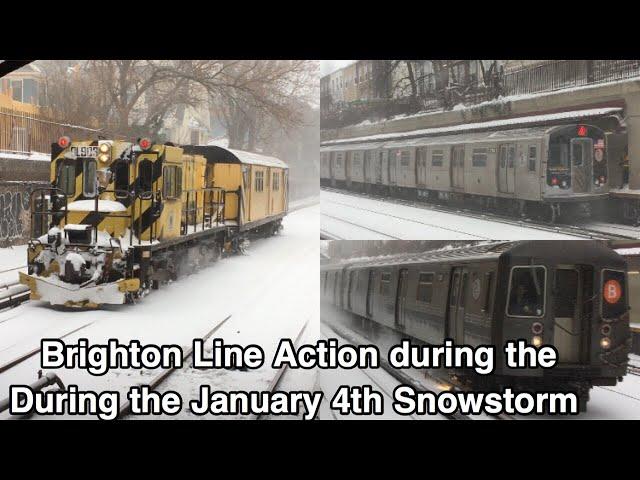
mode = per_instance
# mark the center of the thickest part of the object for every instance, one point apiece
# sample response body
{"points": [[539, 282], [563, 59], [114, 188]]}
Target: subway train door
{"points": [[457, 167], [377, 167], [457, 296], [581, 164], [401, 296], [507, 168], [370, 293], [568, 315], [421, 166], [393, 173], [347, 168]]}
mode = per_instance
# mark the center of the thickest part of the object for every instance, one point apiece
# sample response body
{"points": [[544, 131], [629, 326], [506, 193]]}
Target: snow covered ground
{"points": [[270, 293], [10, 259], [350, 217]]}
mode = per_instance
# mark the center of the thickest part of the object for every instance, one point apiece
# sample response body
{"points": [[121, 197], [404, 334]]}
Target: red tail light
{"points": [[582, 131], [554, 180], [145, 143], [64, 142], [603, 179]]}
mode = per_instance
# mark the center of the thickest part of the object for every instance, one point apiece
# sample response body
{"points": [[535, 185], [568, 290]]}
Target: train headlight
{"points": [[536, 341], [103, 157], [605, 343], [104, 148]]}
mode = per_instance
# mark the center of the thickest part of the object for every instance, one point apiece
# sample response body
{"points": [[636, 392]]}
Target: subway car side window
{"points": [[533, 158]]}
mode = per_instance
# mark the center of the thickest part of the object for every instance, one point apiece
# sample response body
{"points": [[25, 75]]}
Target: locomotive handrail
{"points": [[214, 207], [42, 212]]}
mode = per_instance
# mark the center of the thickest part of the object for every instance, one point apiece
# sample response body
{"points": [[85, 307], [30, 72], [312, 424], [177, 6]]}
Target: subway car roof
{"points": [[528, 121], [216, 154], [471, 137], [566, 252]]}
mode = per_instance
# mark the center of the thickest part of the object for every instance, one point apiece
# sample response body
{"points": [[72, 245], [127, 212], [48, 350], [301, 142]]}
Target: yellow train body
{"points": [[122, 218]]}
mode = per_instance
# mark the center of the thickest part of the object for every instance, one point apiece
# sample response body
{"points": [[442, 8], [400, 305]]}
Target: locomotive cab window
{"points": [[613, 294], [425, 287], [527, 289], [67, 178], [276, 181], [172, 182], [89, 177], [145, 176], [121, 176]]}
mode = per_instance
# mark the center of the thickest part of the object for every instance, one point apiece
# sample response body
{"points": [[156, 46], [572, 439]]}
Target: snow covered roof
{"points": [[511, 135], [486, 250], [467, 127], [217, 154]]}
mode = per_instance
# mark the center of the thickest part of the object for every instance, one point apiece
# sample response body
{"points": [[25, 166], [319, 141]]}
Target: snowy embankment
{"points": [[352, 217], [270, 292], [11, 261]]}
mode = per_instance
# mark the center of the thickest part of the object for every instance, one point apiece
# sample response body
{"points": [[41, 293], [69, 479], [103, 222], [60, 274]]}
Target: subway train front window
{"points": [[527, 291]]}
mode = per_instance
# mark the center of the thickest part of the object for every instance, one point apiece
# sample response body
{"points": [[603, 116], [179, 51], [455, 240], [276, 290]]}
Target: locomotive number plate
{"points": [[85, 151]]}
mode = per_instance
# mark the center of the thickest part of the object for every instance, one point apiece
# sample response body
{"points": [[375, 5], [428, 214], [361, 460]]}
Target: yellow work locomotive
{"points": [[120, 218]]}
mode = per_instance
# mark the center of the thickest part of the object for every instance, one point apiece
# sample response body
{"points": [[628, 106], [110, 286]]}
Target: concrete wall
{"points": [[18, 178]]}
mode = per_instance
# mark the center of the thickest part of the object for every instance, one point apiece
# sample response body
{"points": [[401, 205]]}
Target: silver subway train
{"points": [[544, 170]]}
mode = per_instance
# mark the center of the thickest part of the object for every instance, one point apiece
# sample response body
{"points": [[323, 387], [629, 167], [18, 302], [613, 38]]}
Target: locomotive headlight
{"points": [[536, 341], [103, 157], [104, 148], [605, 343]]}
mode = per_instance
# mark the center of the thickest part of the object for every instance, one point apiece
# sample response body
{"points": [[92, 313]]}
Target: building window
{"points": [[195, 137], [276, 181], [425, 287], [259, 181], [25, 90], [533, 158], [479, 158], [437, 158]]}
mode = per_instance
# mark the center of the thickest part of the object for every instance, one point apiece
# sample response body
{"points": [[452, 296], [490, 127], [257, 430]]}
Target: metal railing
{"points": [[23, 132], [210, 201], [546, 76]]}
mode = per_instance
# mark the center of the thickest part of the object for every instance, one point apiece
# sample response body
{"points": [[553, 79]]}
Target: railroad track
{"points": [[581, 230], [159, 379], [386, 235], [280, 373], [402, 377], [25, 356], [125, 408]]}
